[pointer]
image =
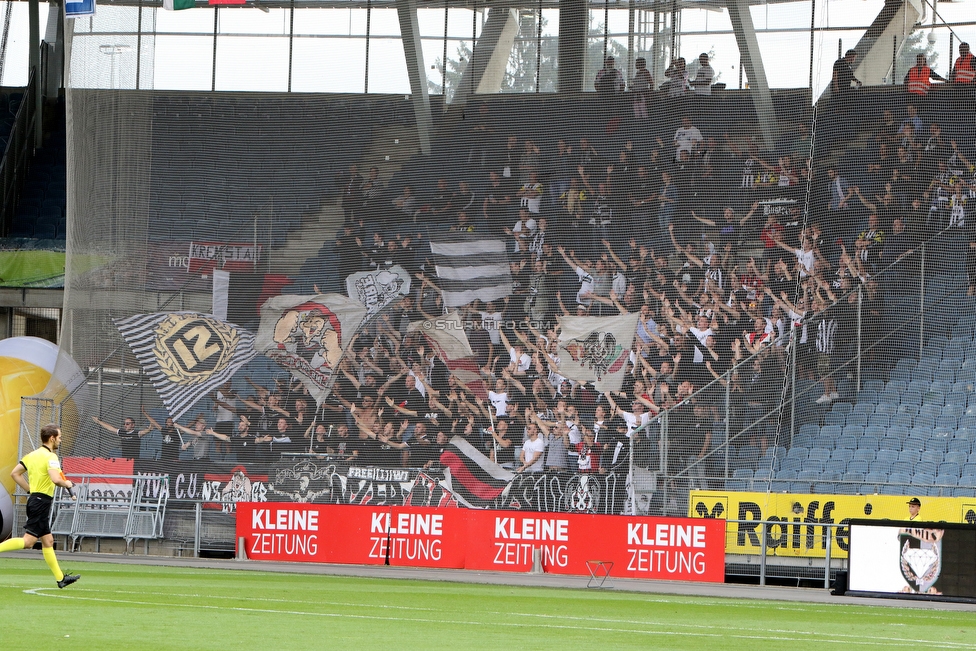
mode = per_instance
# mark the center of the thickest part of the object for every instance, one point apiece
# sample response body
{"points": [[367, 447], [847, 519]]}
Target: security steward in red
{"points": [[964, 71], [918, 81]]}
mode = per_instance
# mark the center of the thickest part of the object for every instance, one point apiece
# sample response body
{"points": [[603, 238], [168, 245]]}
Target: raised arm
{"points": [[106, 426]]}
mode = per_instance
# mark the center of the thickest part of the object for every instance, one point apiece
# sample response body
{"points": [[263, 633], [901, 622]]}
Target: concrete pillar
{"points": [[489, 56], [745, 37], [574, 22], [414, 54]]}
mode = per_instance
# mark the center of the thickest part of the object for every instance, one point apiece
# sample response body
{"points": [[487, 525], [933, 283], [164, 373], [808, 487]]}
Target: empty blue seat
{"points": [[742, 473], [809, 475], [879, 420], [838, 418], [874, 477], [880, 466], [957, 398], [810, 429], [800, 487], [937, 444], [946, 480], [897, 432], [786, 474], [910, 397], [824, 488], [946, 422], [964, 491], [798, 453], [847, 443], [913, 443], [911, 456], [811, 465], [736, 485], [790, 464], [853, 430], [903, 468], [857, 419], [930, 410], [883, 409], [902, 421], [969, 469], [873, 385], [949, 468], [838, 466], [863, 406], [805, 440], [899, 478], [933, 398], [833, 431], [779, 487], [923, 479], [924, 422], [957, 456], [926, 468], [931, 456], [858, 466], [864, 455], [887, 454], [822, 454], [894, 387], [854, 477], [868, 443], [764, 475], [843, 454], [940, 386], [842, 407]]}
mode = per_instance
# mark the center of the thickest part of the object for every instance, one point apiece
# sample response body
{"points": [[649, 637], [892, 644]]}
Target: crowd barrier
{"points": [[680, 549]]}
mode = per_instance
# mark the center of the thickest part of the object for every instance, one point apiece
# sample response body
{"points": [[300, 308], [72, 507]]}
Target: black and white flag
{"points": [[471, 267], [186, 354]]}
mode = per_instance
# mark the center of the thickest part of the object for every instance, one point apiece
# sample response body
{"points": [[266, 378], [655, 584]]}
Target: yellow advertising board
{"points": [[798, 521]]}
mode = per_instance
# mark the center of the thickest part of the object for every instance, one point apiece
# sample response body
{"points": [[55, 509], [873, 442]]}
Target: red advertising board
{"points": [[681, 549]]}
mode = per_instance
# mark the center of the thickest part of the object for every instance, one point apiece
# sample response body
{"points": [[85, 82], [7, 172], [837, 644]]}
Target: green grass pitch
{"points": [[129, 607]]}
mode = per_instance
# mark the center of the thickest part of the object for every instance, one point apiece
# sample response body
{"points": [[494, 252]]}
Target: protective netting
{"points": [[796, 246]]}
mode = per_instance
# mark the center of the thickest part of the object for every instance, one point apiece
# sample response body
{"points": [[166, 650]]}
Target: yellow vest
{"points": [[38, 463]]}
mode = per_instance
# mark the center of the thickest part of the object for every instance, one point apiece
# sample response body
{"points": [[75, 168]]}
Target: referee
{"points": [[43, 469]]}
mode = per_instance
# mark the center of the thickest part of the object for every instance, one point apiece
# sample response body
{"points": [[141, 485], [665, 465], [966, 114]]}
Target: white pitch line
{"points": [[886, 642]]}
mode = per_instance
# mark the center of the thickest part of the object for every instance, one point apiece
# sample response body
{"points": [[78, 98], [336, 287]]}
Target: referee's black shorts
{"points": [[38, 514]]}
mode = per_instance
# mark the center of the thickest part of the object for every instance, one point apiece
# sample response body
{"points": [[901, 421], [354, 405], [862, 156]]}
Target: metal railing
{"points": [[94, 511]]}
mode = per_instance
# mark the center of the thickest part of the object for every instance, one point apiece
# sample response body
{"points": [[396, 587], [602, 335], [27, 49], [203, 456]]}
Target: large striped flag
{"points": [[474, 479], [307, 335], [186, 354], [596, 349], [470, 267]]}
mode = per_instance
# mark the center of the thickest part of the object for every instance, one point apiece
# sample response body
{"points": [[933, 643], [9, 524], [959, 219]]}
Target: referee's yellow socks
{"points": [[12, 545], [52, 562]]}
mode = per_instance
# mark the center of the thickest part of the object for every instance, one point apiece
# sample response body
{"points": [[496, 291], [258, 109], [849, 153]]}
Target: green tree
{"points": [[520, 74]]}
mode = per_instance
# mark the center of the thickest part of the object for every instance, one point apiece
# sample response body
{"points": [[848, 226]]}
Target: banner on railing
{"points": [[800, 519], [679, 549], [328, 482]]}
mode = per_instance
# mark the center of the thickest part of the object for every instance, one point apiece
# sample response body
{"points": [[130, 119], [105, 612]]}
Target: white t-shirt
{"points": [[633, 422], [798, 320], [586, 286], [530, 448], [528, 226], [686, 139], [489, 323], [500, 402], [807, 260], [521, 363]]}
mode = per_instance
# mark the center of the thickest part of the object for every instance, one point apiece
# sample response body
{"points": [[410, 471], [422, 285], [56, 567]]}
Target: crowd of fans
{"points": [[737, 260]]}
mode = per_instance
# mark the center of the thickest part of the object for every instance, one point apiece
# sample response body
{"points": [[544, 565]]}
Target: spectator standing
{"points": [[641, 85], [703, 79], [609, 81], [964, 71], [918, 79], [843, 75]]}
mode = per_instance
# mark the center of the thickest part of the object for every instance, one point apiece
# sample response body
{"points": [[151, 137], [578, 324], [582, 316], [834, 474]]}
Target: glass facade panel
{"points": [[252, 63]]}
